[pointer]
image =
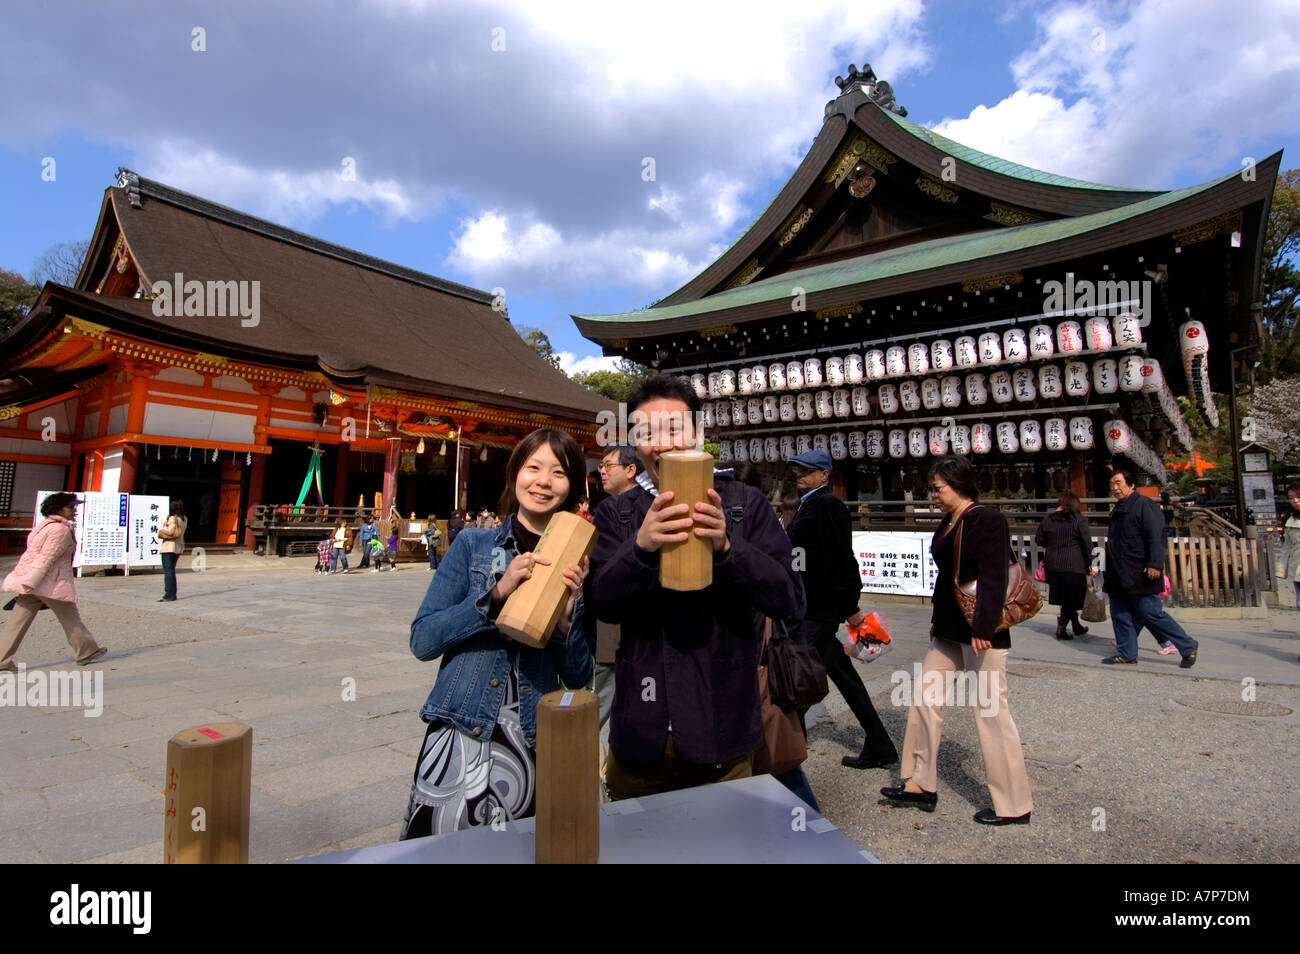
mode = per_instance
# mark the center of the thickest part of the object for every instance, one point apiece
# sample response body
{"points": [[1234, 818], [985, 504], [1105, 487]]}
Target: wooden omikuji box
{"points": [[689, 475], [206, 794], [532, 610], [568, 779]]}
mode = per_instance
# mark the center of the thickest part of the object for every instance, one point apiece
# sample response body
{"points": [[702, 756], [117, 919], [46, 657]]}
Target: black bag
{"points": [[796, 676]]}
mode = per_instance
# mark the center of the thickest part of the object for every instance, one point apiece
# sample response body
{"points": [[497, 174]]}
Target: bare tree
{"points": [[61, 263]]}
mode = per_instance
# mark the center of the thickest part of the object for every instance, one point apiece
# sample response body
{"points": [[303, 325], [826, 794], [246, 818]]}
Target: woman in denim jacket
{"points": [[477, 764]]}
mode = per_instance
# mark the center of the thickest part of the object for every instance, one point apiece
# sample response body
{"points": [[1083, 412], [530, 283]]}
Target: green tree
{"points": [[615, 385], [541, 344], [1280, 285], [16, 296]]}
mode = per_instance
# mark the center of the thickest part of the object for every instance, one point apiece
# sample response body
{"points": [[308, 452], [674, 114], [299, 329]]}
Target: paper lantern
{"points": [[722, 413], [950, 391], [1119, 437], [839, 446], [896, 361], [776, 376], [821, 442], [727, 383], [1041, 338], [787, 446], [824, 404], [840, 400], [1008, 438], [701, 386], [771, 409], [1015, 345], [961, 440], [1130, 372], [1000, 387], [802, 444], [1031, 436], [1022, 382], [1105, 376], [787, 408], [715, 384], [745, 380], [931, 395], [812, 373], [1050, 385], [875, 365], [861, 402], [918, 360], [724, 453], [755, 449], [917, 445], [740, 450], [981, 438], [794, 375], [966, 352], [897, 443], [1055, 434], [1069, 337], [758, 378], [1128, 330], [909, 394], [739, 413], [707, 416], [1096, 332], [977, 390], [755, 411], [1152, 377], [834, 371], [854, 369], [804, 407], [1081, 433], [1192, 339], [938, 440], [875, 444], [857, 445], [888, 398], [1076, 379], [771, 450], [941, 355], [990, 348]]}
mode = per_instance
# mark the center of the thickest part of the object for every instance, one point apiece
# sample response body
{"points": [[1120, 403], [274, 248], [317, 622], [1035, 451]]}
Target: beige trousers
{"points": [[1004, 763], [20, 620]]}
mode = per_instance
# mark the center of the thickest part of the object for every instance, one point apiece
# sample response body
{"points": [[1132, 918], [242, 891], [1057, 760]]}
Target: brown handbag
{"points": [[784, 746], [1023, 600]]}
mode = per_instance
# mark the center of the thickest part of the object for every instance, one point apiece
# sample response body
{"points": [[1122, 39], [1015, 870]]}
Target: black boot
{"points": [[1078, 627], [1060, 628]]}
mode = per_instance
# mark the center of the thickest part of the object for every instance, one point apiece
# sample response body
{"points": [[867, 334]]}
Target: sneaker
{"points": [[101, 651], [345, 570], [1166, 649], [1189, 660], [1118, 660]]}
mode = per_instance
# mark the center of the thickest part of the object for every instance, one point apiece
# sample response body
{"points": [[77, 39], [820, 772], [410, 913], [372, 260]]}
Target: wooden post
{"points": [[209, 779], [568, 761], [687, 565], [532, 610]]}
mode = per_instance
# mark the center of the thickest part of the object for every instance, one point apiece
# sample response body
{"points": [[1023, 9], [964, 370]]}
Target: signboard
{"points": [[101, 526], [146, 519], [895, 562]]}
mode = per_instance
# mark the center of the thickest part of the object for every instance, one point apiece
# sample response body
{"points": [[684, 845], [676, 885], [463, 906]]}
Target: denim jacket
{"points": [[455, 622]]}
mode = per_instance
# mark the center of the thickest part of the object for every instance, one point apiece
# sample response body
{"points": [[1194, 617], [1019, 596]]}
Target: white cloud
{"points": [[570, 364]]}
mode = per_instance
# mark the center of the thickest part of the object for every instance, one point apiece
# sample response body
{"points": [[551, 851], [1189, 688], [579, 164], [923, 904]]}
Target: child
{"points": [[375, 550], [323, 551], [392, 548]]}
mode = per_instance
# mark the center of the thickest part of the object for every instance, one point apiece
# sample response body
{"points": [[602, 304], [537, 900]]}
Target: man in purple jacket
{"points": [[686, 708]]}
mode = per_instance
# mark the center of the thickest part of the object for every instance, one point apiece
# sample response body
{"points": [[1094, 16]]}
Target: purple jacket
{"points": [[691, 659]]}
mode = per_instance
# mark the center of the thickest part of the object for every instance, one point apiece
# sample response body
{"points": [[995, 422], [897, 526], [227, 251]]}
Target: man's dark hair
{"points": [[627, 456], [56, 502], [664, 386], [1130, 477], [957, 472], [746, 473]]}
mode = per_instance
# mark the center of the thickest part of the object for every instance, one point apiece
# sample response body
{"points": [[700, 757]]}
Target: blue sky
{"points": [[502, 144]]}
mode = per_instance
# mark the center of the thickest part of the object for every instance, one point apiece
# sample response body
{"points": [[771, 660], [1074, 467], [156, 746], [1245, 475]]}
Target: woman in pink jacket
{"points": [[43, 577]]}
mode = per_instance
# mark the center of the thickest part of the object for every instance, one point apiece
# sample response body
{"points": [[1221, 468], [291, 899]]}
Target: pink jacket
{"points": [[45, 568]]}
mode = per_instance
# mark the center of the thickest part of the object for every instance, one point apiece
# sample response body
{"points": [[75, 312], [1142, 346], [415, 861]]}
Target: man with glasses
{"points": [[1135, 559], [618, 470], [822, 535]]}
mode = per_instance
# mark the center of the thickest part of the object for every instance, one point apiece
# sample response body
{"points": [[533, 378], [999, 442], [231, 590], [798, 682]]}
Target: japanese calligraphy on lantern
{"points": [[895, 562]]}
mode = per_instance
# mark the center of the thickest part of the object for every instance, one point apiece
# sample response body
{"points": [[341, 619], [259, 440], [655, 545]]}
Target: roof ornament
{"points": [[878, 91], [128, 180]]}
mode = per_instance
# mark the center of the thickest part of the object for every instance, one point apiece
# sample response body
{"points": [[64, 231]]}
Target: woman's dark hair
{"points": [[1069, 504], [663, 386], [746, 473], [566, 451], [56, 502], [957, 472], [178, 508]]}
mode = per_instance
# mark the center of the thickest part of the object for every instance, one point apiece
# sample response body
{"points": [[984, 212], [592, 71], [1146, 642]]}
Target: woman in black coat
{"points": [[1065, 536], [965, 659]]}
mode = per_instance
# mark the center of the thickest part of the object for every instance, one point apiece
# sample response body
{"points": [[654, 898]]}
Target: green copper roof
{"points": [[992, 163], [923, 256]]}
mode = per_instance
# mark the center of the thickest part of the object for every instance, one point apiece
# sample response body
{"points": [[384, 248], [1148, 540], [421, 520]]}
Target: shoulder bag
{"points": [[1094, 607], [1022, 600], [796, 675], [784, 746]]}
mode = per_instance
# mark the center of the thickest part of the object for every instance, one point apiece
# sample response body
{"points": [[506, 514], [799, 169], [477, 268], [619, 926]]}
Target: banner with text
{"points": [[895, 562]]}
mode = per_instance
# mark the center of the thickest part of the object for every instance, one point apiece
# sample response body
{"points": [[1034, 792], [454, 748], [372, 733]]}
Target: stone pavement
{"points": [[1149, 763]]}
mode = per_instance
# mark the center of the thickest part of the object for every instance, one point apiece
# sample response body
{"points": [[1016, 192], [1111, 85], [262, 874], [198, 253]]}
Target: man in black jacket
{"points": [[686, 708], [1135, 559], [823, 554]]}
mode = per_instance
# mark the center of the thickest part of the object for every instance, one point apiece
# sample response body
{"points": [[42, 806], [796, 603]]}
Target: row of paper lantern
{"points": [[1013, 345], [1166, 408], [1195, 345], [1121, 440], [1008, 437], [1131, 373]]}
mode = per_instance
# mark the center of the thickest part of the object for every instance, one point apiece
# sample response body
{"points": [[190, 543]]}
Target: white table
{"points": [[749, 821]]}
